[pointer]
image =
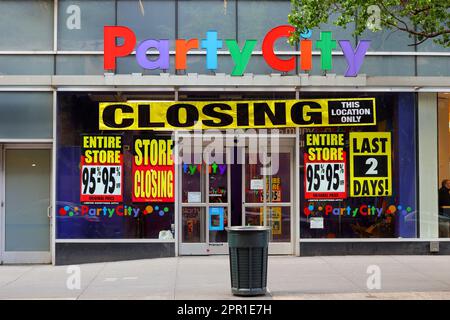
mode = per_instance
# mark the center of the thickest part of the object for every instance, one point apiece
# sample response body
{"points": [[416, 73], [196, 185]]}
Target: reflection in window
{"points": [[444, 164], [29, 25], [396, 215], [80, 23]]}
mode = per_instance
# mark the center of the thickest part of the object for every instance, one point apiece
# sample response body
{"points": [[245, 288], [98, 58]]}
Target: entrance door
{"points": [[25, 203], [268, 198], [205, 207]]}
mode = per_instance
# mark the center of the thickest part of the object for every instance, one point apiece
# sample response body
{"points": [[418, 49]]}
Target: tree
{"points": [[421, 19]]}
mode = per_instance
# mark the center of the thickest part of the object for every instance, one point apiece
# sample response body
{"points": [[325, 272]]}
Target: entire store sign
{"points": [[189, 115], [101, 169], [240, 56], [325, 166], [370, 164]]}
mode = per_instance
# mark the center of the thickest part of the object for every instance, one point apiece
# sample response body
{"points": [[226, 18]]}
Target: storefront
{"points": [[152, 151]]}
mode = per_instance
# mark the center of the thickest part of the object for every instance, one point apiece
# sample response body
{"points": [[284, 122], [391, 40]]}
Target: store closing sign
{"points": [[188, 115], [153, 170], [370, 164]]}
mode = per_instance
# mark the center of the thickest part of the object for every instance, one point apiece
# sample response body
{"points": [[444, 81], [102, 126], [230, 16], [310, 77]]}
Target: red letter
{"points": [[111, 51], [305, 55], [182, 47], [267, 48]]}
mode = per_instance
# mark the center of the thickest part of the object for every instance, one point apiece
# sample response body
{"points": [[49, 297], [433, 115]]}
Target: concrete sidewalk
{"points": [[402, 277]]}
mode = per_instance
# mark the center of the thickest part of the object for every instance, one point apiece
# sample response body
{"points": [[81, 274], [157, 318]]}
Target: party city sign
{"points": [[240, 56]]}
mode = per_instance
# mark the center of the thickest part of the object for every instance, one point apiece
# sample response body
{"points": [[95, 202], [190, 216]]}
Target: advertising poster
{"points": [[101, 169], [153, 169], [273, 219], [370, 164], [325, 166], [173, 115]]}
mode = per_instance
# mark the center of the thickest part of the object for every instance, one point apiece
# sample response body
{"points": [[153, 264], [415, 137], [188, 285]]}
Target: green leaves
{"points": [[423, 20]]}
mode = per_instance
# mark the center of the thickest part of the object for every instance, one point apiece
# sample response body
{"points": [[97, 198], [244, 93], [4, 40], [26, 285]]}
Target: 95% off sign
{"points": [[325, 180], [101, 169], [101, 183]]}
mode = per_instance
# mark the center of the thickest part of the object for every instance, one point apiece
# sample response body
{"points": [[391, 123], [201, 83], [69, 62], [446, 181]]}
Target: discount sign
{"points": [[325, 166], [370, 164], [101, 169]]}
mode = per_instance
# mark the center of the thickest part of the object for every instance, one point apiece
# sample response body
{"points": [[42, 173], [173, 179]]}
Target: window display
{"points": [[114, 185], [360, 182]]}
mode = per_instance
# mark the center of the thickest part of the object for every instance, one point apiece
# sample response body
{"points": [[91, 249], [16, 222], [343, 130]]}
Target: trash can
{"points": [[248, 248]]}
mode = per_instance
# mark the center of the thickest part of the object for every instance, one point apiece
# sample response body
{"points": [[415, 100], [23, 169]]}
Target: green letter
{"points": [[326, 44], [240, 58]]}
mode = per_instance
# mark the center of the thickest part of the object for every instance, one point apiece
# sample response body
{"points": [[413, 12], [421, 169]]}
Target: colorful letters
{"points": [[241, 57]]}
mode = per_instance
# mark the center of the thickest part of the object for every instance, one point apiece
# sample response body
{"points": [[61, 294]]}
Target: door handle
{"points": [[49, 212]]}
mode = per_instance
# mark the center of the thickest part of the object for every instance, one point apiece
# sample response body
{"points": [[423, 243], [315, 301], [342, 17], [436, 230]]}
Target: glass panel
{"points": [[254, 216], [26, 115], [218, 220], [29, 25], [279, 220], [444, 164], [79, 65], [193, 224], [195, 18], [254, 181], [27, 197], [218, 183], [388, 66], [152, 20], [193, 190], [278, 186], [253, 25], [80, 23], [26, 65], [388, 40], [370, 213], [433, 66]]}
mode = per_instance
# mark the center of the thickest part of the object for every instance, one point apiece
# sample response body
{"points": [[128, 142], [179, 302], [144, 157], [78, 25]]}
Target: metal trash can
{"points": [[248, 248]]}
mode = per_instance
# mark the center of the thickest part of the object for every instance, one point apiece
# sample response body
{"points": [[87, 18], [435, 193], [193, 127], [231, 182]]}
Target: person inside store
{"points": [[444, 198]]}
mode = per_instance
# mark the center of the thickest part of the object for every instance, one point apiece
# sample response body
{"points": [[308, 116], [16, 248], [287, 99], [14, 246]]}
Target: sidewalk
{"points": [[402, 277]]}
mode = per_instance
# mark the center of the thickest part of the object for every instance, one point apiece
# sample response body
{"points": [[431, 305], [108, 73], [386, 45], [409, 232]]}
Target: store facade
{"points": [[141, 158]]}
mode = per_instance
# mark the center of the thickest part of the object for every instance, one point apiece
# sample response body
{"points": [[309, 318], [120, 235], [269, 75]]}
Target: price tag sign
{"points": [[101, 174], [325, 180], [101, 183]]}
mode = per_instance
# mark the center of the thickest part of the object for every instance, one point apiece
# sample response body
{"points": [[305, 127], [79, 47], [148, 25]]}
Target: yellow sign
{"points": [[189, 115], [370, 164]]}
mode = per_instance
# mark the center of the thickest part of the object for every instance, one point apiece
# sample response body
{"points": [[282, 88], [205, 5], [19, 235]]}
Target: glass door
{"points": [[205, 207], [267, 198], [25, 204]]}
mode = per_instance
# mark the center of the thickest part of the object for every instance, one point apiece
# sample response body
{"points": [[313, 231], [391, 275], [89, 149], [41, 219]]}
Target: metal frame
{"points": [[277, 247], [23, 256], [202, 248]]}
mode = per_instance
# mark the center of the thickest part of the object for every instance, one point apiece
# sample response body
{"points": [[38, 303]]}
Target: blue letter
{"points": [[211, 44]]}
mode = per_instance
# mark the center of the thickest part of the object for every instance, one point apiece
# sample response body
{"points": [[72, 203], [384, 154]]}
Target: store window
{"points": [[94, 198], [444, 164], [29, 25], [360, 181], [80, 23], [26, 115]]}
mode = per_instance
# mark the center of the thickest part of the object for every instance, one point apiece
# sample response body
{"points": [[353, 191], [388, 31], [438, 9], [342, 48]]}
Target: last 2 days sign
{"points": [[370, 164], [101, 171]]}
